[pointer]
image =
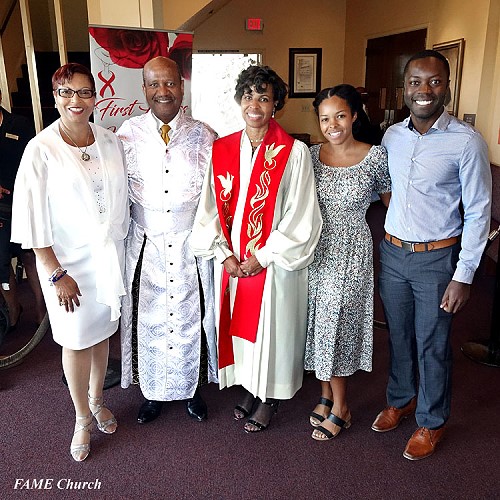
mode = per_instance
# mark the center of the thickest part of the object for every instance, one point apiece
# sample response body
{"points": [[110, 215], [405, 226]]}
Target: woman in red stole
{"points": [[259, 219]]}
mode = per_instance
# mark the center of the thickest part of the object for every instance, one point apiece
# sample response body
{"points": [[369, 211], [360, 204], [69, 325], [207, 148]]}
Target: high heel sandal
{"points": [[102, 426], [316, 419], [244, 409], [76, 449], [267, 409], [326, 434]]}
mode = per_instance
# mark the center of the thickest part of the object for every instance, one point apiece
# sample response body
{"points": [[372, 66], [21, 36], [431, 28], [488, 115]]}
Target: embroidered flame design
{"points": [[258, 200]]}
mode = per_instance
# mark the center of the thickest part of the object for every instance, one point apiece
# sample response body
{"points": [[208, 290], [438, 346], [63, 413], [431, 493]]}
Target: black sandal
{"points": [[244, 409], [267, 409], [343, 424], [316, 419]]}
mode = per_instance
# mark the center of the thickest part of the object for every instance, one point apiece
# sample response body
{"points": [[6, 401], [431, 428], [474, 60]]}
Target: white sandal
{"points": [[76, 449], [102, 426]]}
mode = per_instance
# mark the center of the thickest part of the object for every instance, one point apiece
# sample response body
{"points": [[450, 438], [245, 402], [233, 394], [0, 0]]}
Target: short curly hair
{"points": [[259, 77]]}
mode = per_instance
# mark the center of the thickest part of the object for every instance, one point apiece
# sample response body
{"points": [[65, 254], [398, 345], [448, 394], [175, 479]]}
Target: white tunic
{"points": [[272, 367], [164, 189], [55, 206]]}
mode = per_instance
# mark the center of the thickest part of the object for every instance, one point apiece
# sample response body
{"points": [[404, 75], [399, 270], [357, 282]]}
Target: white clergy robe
{"points": [[164, 189], [272, 367]]}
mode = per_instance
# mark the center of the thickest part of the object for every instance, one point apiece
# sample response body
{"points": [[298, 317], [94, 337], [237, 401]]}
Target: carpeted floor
{"points": [[176, 457]]}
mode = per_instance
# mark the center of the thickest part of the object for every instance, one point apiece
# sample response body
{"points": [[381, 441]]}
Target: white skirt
{"points": [[90, 323]]}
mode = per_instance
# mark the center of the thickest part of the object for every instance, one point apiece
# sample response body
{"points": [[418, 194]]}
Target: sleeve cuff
{"points": [[463, 276], [222, 252], [262, 255]]}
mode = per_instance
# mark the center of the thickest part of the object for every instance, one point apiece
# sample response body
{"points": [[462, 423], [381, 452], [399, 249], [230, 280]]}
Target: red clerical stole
{"points": [[256, 226]]}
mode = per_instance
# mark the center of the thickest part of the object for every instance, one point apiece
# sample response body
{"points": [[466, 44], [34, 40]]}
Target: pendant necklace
{"points": [[254, 143], [85, 156]]}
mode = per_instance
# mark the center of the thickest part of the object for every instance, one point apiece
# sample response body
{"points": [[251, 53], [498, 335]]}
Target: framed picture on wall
{"points": [[304, 75], [454, 52]]}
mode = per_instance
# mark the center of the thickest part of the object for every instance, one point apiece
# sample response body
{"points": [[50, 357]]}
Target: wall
{"points": [[43, 25], [76, 23], [489, 90], [13, 52], [286, 24], [323, 24], [176, 13], [476, 22], [375, 18], [133, 13], [458, 19]]}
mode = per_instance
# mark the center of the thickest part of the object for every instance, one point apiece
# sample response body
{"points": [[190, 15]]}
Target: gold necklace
{"points": [[85, 156]]}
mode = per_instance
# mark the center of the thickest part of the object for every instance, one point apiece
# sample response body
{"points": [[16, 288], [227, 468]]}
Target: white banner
{"points": [[117, 56]]}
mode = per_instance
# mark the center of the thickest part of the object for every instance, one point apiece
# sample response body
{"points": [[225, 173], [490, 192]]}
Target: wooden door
{"points": [[385, 61]]}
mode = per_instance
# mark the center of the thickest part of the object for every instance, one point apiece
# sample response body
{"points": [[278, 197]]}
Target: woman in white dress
{"points": [[259, 219], [70, 206]]}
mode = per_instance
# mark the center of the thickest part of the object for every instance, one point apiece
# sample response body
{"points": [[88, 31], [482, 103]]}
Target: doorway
{"points": [[214, 77], [385, 61]]}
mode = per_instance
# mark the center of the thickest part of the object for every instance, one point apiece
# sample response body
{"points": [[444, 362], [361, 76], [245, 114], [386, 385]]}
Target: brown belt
{"points": [[422, 247]]}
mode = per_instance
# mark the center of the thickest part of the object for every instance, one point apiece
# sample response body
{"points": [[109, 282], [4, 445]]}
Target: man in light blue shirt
{"points": [[438, 165]]}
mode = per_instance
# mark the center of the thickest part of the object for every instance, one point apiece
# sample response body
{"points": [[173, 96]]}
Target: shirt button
{"points": [[409, 205], [166, 171], [413, 159], [166, 191]]}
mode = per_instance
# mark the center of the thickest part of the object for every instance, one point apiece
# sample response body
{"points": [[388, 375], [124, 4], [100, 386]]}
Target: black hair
{"points": [[429, 53], [349, 94], [259, 77]]}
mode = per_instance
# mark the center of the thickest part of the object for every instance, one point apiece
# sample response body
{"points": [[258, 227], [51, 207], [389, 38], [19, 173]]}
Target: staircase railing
{"points": [[8, 15], [30, 53]]}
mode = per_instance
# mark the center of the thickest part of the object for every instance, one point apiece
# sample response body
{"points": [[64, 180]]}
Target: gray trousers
{"points": [[412, 286]]}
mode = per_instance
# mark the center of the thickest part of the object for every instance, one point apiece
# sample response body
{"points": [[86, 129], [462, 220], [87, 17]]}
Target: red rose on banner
{"points": [[181, 52], [131, 48]]}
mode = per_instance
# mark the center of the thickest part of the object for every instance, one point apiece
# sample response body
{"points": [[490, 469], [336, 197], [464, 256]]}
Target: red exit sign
{"points": [[254, 24]]}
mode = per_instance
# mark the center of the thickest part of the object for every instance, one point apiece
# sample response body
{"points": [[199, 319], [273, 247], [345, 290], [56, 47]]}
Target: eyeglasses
{"points": [[69, 93]]}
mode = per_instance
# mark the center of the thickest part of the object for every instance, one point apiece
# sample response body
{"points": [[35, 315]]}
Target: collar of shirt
{"points": [[440, 124], [172, 123]]}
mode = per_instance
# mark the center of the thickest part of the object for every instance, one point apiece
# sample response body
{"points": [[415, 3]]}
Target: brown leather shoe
{"points": [[389, 418], [422, 443]]}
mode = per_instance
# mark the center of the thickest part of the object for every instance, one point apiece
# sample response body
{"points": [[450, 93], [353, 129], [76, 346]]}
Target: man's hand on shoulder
{"points": [[455, 296]]}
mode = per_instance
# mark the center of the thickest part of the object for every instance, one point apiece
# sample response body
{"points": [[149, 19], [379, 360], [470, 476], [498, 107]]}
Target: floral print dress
{"points": [[340, 310]]}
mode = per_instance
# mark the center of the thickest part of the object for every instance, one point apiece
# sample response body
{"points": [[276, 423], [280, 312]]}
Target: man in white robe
{"points": [[168, 313]]}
